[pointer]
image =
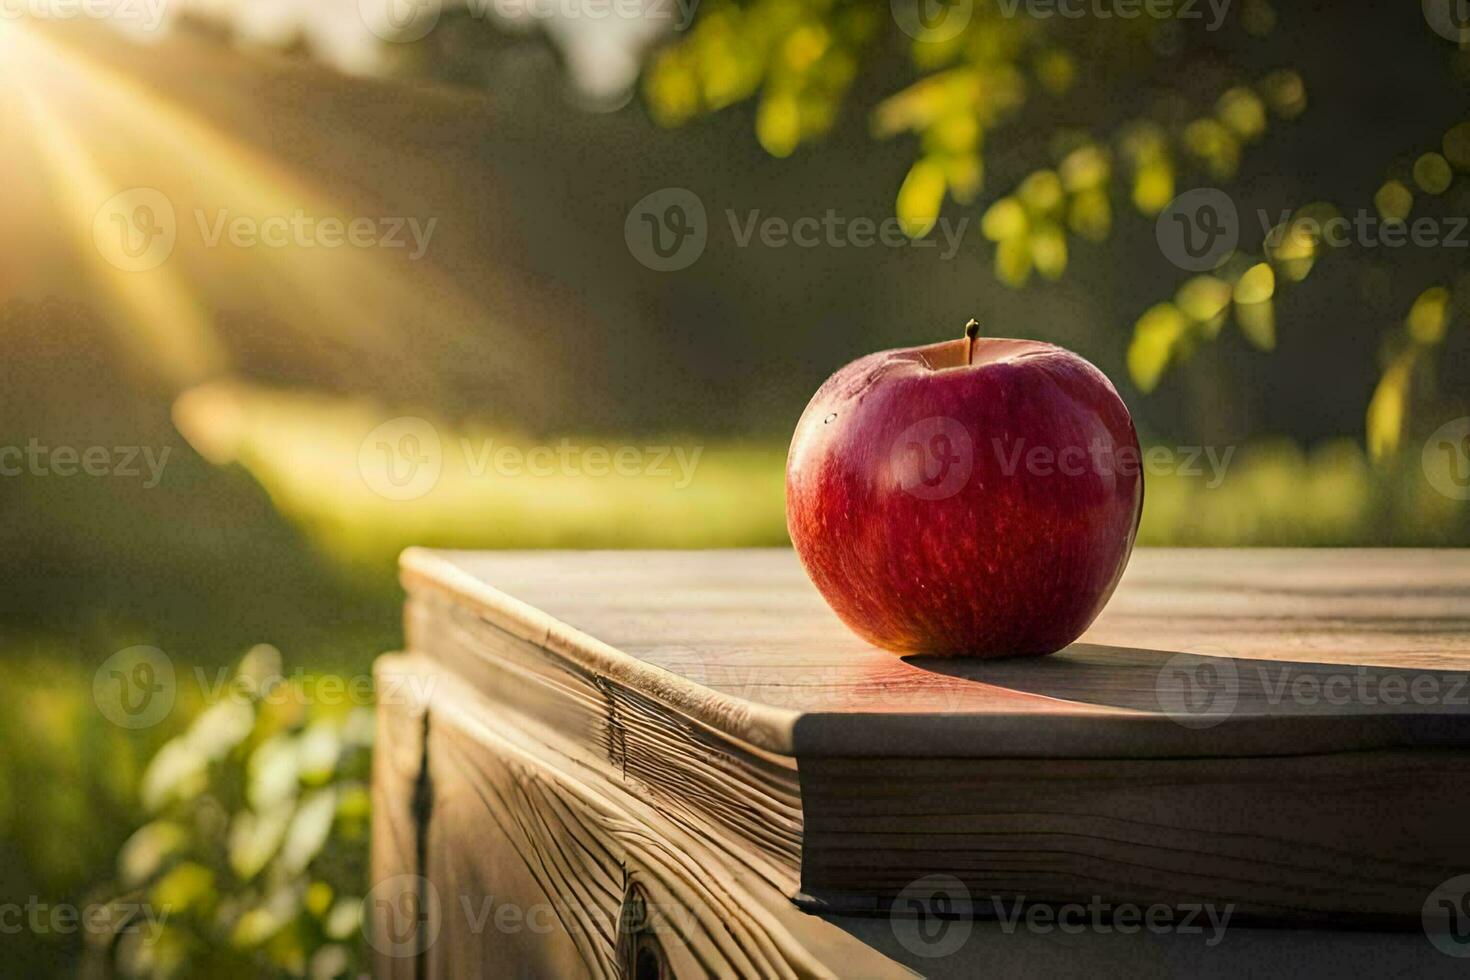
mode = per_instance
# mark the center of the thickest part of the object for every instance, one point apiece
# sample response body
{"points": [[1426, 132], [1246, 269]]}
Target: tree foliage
{"points": [[981, 69]]}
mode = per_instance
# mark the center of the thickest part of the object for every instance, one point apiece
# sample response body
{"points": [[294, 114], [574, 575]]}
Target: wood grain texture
{"points": [[1193, 746], [741, 642], [542, 866], [398, 765]]}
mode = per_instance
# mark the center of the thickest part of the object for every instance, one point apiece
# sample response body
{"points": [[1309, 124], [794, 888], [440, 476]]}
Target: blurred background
{"points": [[287, 286]]}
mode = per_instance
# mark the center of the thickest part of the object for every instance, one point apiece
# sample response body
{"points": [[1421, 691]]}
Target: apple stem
{"points": [[972, 330]]}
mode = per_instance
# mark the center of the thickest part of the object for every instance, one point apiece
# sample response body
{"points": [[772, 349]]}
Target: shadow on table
{"points": [[1208, 685]]}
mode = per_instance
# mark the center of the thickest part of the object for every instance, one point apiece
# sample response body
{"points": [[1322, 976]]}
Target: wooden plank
{"points": [[533, 857], [741, 641], [392, 906], [719, 691]]}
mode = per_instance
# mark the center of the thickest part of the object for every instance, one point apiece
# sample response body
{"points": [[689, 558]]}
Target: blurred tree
{"points": [[984, 66]]}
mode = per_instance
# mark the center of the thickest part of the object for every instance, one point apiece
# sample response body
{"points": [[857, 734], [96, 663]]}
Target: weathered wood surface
{"points": [[742, 642], [718, 702], [524, 860], [542, 866]]}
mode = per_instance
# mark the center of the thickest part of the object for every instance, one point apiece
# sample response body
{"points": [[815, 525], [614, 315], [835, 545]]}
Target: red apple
{"points": [[975, 497]]}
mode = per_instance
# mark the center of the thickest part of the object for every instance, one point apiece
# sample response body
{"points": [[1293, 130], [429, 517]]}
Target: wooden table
{"points": [[681, 764]]}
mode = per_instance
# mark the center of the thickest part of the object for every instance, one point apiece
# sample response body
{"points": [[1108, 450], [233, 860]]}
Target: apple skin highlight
{"points": [[978, 497]]}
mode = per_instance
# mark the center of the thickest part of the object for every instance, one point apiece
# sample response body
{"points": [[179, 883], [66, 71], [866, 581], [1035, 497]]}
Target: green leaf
{"points": [[144, 853], [344, 918], [1429, 315], [1242, 111], [273, 771], [778, 124], [1013, 261], [1256, 285], [177, 773], [920, 197], [255, 838], [1432, 173], [1203, 298], [1041, 192], [188, 886], [1257, 321], [1004, 219], [1153, 186], [1394, 201], [1456, 146], [1156, 336], [1285, 92], [221, 727], [1049, 251], [1085, 168], [309, 829], [964, 173], [1091, 215], [1387, 408], [317, 752]]}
